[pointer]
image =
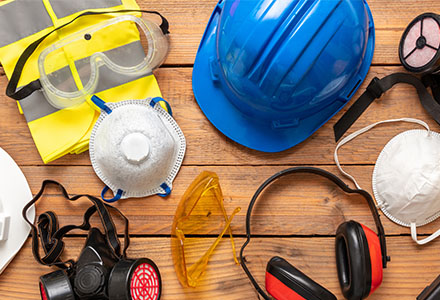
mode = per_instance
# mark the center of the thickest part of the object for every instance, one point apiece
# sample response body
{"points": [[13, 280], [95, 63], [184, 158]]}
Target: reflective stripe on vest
{"points": [[33, 107], [22, 18], [64, 8], [58, 132]]}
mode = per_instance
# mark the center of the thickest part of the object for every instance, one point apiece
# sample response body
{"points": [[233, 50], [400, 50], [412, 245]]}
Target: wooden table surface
{"points": [[297, 218]]}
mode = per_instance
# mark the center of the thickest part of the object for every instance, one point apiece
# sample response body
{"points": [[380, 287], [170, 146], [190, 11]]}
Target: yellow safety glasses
{"points": [[200, 210]]}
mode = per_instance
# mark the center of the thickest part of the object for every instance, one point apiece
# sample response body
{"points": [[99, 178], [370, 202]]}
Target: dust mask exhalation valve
{"points": [[419, 48]]}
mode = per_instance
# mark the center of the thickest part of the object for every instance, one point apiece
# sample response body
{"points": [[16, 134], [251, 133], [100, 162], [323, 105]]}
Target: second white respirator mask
{"points": [[406, 177], [136, 148]]}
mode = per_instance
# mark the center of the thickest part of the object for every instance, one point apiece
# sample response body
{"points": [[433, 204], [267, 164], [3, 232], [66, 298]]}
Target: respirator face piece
{"points": [[141, 282], [99, 275]]}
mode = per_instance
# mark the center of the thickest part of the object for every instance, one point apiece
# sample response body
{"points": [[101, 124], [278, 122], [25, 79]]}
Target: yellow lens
{"points": [[200, 211]]}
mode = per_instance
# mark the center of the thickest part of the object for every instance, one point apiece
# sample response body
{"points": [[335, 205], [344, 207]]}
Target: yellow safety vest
{"points": [[57, 132]]}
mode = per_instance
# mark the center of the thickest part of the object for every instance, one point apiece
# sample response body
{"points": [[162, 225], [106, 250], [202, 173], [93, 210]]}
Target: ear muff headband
{"points": [[336, 180]]}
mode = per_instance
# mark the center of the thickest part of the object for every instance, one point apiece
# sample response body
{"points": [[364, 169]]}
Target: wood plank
{"points": [[300, 205], [224, 278], [207, 146], [188, 21], [296, 205]]}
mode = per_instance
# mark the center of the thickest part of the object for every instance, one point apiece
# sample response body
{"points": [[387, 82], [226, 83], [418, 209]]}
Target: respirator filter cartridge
{"points": [[419, 48]]}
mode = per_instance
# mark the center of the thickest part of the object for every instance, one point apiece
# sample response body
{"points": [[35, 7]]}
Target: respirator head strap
{"points": [[375, 89], [433, 81], [51, 237]]}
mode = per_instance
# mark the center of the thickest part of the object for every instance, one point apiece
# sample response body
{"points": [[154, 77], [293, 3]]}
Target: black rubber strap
{"points": [[51, 236], [375, 90], [24, 92], [433, 81], [334, 179]]}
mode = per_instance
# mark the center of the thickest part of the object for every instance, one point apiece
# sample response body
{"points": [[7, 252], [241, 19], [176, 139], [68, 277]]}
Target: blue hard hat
{"points": [[269, 73]]}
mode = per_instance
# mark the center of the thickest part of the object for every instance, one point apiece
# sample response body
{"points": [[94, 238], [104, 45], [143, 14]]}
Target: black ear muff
{"points": [[353, 261], [285, 282]]}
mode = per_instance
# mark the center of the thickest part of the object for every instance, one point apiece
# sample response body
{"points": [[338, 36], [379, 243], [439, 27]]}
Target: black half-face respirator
{"points": [[419, 53], [102, 270]]}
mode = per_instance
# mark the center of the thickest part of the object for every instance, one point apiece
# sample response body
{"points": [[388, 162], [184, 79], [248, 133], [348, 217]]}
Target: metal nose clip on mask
{"points": [[406, 177], [136, 148], [69, 77]]}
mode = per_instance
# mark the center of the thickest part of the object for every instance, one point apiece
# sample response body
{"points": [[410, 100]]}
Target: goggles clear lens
{"points": [[119, 50]]}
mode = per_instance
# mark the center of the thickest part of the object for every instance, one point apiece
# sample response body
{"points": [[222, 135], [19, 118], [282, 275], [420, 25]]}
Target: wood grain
{"points": [[296, 205], [225, 280], [207, 146], [188, 21], [296, 218]]}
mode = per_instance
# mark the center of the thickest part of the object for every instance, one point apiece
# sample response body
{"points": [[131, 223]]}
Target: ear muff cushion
{"points": [[353, 261]]}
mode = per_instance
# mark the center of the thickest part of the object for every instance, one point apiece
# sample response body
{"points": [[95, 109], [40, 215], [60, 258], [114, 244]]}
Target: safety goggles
{"points": [[69, 75], [200, 208]]}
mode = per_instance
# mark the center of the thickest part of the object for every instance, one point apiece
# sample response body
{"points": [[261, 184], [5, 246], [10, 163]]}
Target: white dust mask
{"points": [[406, 177], [14, 195], [136, 148]]}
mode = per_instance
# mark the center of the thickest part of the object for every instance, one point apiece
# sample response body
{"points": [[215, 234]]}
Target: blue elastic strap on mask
{"points": [[166, 188], [101, 104], [114, 199], [156, 100]]}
